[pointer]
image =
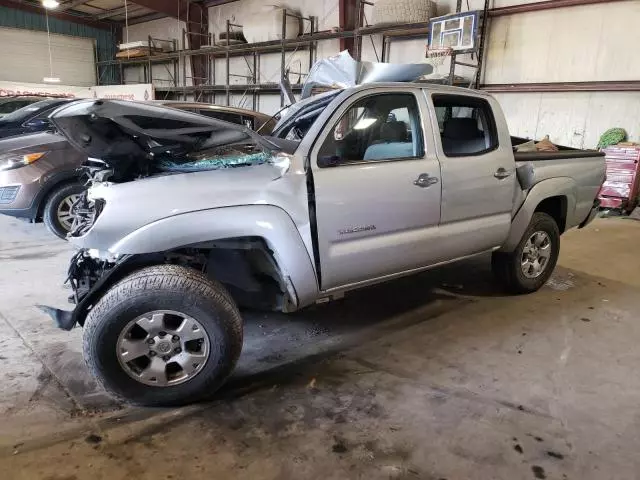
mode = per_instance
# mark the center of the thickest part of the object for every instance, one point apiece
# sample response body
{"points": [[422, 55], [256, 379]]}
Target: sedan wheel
{"points": [[65, 211], [58, 211]]}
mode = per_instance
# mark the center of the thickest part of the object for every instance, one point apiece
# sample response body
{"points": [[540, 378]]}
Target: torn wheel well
{"points": [[245, 266], [248, 269]]}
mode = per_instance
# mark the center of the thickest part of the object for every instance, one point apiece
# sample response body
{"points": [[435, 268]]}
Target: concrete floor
{"points": [[438, 376]]}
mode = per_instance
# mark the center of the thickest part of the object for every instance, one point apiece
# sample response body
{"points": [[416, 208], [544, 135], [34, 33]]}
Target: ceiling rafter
{"points": [[131, 8], [71, 4]]}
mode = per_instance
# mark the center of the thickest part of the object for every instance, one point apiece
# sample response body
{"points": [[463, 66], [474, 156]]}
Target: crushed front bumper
{"points": [[86, 276]]}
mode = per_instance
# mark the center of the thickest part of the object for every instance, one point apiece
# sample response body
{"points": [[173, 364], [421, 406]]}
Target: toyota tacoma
{"points": [[189, 219]]}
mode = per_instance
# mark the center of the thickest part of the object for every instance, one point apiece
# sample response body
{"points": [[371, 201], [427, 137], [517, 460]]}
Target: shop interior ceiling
{"points": [[115, 10]]}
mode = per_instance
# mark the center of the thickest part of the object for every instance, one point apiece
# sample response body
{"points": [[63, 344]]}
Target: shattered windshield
{"points": [[219, 157], [301, 116]]}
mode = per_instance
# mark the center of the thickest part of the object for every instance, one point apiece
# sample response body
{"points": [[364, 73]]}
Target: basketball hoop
{"points": [[436, 56]]}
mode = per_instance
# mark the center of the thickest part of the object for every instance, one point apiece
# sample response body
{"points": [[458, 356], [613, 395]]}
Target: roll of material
{"points": [[403, 11]]}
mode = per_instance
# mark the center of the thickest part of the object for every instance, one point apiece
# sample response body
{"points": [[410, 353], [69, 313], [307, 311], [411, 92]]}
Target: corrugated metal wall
{"points": [[24, 57], [105, 40]]}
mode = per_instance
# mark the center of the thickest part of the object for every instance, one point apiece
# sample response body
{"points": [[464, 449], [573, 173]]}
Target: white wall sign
{"points": [[141, 92]]}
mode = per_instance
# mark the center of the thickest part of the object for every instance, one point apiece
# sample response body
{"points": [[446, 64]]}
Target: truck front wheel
{"points": [[165, 335], [530, 265]]}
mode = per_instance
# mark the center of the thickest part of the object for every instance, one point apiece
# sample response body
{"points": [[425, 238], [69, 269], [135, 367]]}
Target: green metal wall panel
{"points": [[106, 40]]}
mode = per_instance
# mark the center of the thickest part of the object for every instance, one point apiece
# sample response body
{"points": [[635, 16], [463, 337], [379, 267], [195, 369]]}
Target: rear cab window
{"points": [[466, 124], [379, 127]]}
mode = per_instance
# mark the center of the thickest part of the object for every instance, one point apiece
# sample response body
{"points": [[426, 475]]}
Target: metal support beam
{"points": [[347, 16], [546, 5], [197, 20], [71, 4], [604, 86], [146, 18], [198, 36], [172, 8], [132, 8]]}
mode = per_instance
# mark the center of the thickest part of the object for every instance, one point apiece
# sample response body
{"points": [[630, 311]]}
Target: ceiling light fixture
{"points": [[50, 4], [50, 79]]}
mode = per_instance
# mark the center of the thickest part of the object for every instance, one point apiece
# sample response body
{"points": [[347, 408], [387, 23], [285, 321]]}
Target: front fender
{"points": [[553, 187], [268, 222]]}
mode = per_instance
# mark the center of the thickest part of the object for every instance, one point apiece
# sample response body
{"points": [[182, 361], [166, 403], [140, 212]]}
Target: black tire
{"points": [[163, 287], [50, 212], [507, 266]]}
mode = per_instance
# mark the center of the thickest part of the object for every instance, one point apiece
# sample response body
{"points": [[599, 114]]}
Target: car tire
{"points": [[57, 208], [516, 270], [166, 288]]}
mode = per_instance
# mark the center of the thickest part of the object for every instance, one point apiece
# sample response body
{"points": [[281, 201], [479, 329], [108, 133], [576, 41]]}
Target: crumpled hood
{"points": [[342, 71], [132, 205], [112, 130]]}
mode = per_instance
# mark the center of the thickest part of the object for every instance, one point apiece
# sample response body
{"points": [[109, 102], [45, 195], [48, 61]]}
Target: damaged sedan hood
{"points": [[121, 132]]}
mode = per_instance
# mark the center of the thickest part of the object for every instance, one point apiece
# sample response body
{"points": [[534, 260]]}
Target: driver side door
{"points": [[377, 189]]}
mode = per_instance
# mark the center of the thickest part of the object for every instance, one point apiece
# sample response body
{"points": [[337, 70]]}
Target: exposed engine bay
{"points": [[128, 141]]}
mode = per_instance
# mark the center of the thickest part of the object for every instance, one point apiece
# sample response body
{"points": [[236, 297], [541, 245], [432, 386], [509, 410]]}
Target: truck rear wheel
{"points": [[530, 265], [165, 335]]}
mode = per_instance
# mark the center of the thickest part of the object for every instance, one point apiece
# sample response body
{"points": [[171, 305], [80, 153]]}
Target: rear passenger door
{"points": [[478, 174], [377, 190]]}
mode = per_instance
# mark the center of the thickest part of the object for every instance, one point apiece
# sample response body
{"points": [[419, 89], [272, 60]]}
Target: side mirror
{"points": [[328, 161], [37, 123]]}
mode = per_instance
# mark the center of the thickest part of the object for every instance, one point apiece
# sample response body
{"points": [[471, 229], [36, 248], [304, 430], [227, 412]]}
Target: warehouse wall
{"points": [[24, 57], [165, 29], [576, 119], [244, 11], [588, 43]]}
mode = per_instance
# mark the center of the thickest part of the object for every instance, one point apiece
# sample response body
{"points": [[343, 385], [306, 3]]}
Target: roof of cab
{"points": [[435, 87]]}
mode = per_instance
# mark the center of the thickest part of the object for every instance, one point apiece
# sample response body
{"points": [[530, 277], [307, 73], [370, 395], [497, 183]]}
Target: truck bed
{"points": [[563, 153]]}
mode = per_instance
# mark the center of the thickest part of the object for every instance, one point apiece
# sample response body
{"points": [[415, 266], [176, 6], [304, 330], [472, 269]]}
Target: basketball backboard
{"points": [[456, 31]]}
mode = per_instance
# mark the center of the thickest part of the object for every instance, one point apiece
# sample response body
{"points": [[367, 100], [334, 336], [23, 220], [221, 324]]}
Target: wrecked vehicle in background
{"points": [[190, 217]]}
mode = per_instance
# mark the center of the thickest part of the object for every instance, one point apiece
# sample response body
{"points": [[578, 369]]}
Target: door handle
{"points": [[424, 180], [502, 173]]}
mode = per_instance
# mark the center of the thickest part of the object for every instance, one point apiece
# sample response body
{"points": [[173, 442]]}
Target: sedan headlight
{"points": [[9, 161]]}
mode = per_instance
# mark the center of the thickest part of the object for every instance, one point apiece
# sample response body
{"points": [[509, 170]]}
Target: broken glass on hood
{"points": [[138, 139], [228, 156]]}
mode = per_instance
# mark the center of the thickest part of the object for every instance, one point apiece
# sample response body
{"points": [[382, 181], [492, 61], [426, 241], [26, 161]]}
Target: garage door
{"points": [[24, 57]]}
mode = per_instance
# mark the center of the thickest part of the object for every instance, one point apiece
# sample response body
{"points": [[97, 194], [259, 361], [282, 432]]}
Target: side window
{"points": [[42, 116], [10, 106], [375, 128], [248, 122], [224, 116], [466, 124]]}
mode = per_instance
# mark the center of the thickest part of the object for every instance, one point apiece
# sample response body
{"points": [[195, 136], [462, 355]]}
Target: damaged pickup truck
{"points": [[189, 218]]}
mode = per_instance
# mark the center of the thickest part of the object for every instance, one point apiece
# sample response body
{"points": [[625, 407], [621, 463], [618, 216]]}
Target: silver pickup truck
{"points": [[189, 217]]}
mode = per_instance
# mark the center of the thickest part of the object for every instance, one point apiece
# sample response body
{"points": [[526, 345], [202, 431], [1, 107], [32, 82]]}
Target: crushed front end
{"points": [[85, 275]]}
